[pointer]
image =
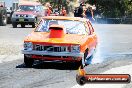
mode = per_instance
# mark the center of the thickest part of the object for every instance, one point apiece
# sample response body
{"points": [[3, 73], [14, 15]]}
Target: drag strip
{"points": [[114, 50]]}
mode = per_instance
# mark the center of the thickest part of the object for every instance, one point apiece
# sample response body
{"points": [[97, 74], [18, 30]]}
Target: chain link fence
{"points": [[114, 20]]}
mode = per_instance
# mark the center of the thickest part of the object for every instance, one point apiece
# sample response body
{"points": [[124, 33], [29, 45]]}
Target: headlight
{"points": [[28, 46], [31, 16], [75, 48]]}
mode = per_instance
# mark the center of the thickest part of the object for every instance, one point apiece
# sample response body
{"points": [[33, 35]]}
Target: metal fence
{"points": [[114, 20]]}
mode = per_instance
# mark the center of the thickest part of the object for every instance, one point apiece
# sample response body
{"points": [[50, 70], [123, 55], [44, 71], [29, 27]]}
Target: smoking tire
{"points": [[28, 61]]}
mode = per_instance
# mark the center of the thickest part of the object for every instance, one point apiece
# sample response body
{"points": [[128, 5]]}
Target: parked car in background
{"points": [[60, 38], [27, 14], [3, 14]]}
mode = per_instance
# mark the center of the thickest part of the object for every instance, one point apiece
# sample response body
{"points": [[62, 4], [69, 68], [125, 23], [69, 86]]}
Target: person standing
{"points": [[49, 11], [89, 14], [79, 12], [63, 11]]}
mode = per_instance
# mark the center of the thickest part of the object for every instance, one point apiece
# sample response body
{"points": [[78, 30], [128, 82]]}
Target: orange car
{"points": [[59, 38]]}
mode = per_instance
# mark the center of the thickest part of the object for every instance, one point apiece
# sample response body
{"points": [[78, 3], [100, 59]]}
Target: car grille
{"points": [[38, 47]]}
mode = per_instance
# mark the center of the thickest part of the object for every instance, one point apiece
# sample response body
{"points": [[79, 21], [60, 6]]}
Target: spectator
{"points": [[76, 12], [79, 11], [49, 11], [89, 14], [63, 11]]}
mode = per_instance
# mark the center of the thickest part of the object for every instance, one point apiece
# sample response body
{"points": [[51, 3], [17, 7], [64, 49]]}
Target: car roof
{"points": [[65, 18], [29, 3]]}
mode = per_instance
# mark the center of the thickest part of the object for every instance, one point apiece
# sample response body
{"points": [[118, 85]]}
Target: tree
{"points": [[113, 8]]}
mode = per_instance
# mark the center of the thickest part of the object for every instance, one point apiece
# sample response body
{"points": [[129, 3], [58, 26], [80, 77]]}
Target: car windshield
{"points": [[26, 8], [71, 27]]}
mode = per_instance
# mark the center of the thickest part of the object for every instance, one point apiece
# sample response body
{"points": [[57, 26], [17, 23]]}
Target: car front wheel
{"points": [[23, 25], [3, 21], [28, 61], [34, 23]]}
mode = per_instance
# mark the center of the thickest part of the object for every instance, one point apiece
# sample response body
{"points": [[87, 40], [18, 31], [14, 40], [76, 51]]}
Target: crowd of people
{"points": [[50, 11], [81, 11], [84, 12]]}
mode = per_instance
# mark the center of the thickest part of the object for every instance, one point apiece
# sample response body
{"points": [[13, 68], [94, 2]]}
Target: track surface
{"points": [[114, 50]]}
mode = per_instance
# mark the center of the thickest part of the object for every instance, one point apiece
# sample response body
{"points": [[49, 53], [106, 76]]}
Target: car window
{"points": [[43, 26], [38, 8], [74, 27], [71, 27], [26, 8]]}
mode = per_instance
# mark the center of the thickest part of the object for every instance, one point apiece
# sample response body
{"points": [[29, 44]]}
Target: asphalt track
{"points": [[114, 50]]}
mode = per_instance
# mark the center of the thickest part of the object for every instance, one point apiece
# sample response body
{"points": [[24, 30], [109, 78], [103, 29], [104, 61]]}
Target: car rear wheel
{"points": [[82, 63], [23, 25], [4, 21], [28, 61], [14, 24]]}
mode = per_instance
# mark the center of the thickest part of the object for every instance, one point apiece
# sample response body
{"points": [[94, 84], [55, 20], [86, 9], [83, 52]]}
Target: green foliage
{"points": [[114, 8], [106, 8]]}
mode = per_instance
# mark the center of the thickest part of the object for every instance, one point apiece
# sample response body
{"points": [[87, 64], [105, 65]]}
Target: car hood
{"points": [[24, 12], [43, 37]]}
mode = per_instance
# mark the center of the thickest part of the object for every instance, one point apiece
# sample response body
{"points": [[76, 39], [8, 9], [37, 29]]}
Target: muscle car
{"points": [[60, 38]]}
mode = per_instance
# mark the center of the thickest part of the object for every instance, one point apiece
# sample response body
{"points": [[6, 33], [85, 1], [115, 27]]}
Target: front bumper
{"points": [[25, 20], [33, 52]]}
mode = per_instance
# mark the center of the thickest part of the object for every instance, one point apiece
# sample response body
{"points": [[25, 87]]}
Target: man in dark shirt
{"points": [[79, 11], [89, 14]]}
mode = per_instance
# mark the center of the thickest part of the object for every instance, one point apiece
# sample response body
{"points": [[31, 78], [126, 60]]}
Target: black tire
{"points": [[33, 25], [85, 56], [28, 61], [23, 25], [8, 20], [79, 63], [3, 21], [14, 25], [3, 17]]}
